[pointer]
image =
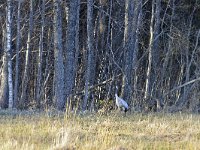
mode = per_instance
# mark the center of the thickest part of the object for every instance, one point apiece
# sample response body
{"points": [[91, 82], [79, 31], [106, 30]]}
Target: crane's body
{"points": [[121, 104]]}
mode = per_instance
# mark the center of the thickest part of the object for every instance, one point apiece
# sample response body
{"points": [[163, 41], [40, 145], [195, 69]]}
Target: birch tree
{"points": [[8, 52], [4, 77], [6, 94]]}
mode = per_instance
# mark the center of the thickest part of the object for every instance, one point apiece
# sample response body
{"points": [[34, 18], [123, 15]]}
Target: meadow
{"points": [[31, 130]]}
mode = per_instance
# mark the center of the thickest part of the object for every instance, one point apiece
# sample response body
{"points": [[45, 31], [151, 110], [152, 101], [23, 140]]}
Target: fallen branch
{"points": [[180, 86]]}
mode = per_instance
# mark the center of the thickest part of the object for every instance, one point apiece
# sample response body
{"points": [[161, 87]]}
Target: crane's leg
{"points": [[125, 110]]}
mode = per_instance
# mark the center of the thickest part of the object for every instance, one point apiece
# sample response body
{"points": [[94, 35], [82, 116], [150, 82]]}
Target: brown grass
{"points": [[30, 130]]}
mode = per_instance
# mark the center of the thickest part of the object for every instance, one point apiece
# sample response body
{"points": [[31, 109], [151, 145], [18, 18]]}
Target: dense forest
{"points": [[73, 53]]}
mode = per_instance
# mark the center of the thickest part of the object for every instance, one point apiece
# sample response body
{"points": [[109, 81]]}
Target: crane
{"points": [[121, 104]]}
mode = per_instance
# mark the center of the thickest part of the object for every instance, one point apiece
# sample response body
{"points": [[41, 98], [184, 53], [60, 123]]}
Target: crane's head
{"points": [[117, 87]]}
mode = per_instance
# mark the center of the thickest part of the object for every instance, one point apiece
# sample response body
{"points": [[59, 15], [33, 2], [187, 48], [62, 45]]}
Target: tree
{"points": [[6, 76], [23, 99], [4, 80], [58, 55], [148, 48], [90, 69], [153, 69], [8, 52], [131, 19], [41, 47], [71, 46], [16, 85]]}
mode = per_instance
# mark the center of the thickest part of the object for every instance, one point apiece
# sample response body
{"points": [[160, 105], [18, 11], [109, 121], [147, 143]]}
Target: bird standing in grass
{"points": [[121, 104]]}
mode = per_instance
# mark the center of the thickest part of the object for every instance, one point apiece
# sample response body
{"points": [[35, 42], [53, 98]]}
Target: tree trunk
{"points": [[130, 53], [148, 84], [168, 53], [4, 78], [90, 71], [8, 52], [23, 100], [58, 55], [136, 76], [16, 87], [39, 69], [71, 47], [183, 100], [156, 75]]}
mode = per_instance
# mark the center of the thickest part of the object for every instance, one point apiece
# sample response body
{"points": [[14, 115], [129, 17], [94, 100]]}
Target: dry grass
{"points": [[31, 130]]}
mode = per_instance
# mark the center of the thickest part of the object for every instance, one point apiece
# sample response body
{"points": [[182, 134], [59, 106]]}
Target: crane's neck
{"points": [[116, 97], [116, 91]]}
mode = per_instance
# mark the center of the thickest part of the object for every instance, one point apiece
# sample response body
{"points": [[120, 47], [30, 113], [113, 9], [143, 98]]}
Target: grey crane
{"points": [[121, 104]]}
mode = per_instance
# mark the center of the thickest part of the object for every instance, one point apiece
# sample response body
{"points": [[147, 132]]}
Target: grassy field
{"points": [[32, 131]]}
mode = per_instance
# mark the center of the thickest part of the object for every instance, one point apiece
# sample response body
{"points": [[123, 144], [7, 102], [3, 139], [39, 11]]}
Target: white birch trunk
{"points": [[147, 84], [4, 76], [8, 51]]}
